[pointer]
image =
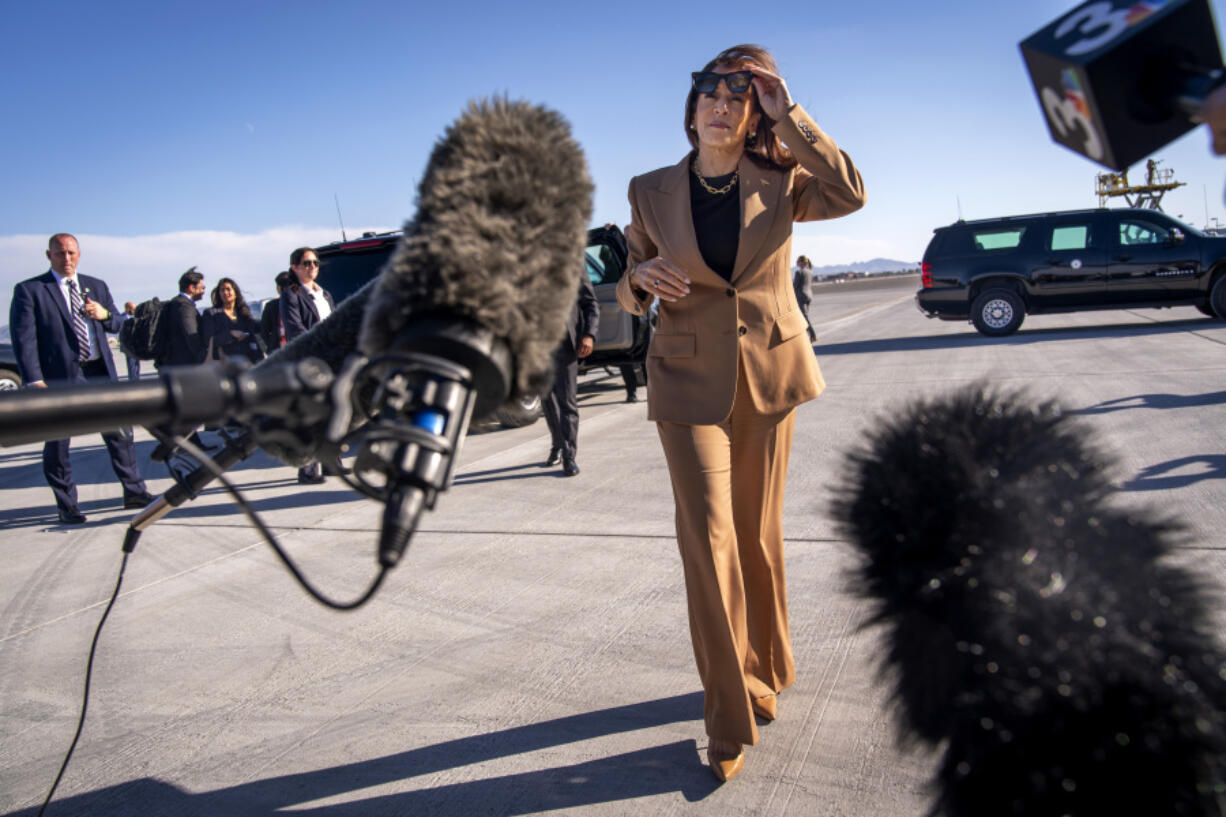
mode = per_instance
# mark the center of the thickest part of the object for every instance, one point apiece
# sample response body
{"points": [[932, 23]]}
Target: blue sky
{"points": [[167, 135]]}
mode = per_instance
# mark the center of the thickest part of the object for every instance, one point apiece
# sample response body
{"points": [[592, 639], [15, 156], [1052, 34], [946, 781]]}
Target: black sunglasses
{"points": [[738, 82]]}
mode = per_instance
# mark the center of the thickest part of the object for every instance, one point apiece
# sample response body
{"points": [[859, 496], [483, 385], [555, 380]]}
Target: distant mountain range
{"points": [[873, 267]]}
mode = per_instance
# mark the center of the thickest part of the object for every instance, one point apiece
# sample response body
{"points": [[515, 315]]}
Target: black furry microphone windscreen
{"points": [[498, 238], [1040, 634], [332, 339]]}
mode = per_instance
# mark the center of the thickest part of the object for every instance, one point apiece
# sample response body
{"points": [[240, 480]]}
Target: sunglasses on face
{"points": [[311, 262], [738, 82]]}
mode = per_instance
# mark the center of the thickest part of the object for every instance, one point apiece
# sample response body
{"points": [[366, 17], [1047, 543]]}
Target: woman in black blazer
{"points": [[229, 328], [304, 304]]}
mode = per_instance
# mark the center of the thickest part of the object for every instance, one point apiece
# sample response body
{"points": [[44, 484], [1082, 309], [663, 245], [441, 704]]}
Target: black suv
{"points": [[996, 271], [346, 266]]}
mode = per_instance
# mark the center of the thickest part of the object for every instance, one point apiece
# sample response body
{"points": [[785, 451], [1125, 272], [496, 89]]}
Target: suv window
{"points": [[602, 264], [1141, 232], [987, 240], [1070, 237]]}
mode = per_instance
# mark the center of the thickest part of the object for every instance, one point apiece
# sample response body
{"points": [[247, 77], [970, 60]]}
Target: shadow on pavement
{"points": [[312, 497], [529, 471], [671, 767], [1161, 477], [1155, 401]]}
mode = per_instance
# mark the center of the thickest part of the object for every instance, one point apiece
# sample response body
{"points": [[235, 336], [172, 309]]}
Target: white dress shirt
{"points": [[63, 282], [321, 303]]}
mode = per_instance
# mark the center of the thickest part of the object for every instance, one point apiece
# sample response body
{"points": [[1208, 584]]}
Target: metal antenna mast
{"points": [[338, 217]]}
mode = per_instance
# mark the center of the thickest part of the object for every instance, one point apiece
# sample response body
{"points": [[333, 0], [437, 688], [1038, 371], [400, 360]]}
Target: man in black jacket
{"points": [[561, 406], [183, 342], [183, 345]]}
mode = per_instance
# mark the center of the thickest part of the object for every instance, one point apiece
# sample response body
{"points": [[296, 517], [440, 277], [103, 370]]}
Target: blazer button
{"points": [[742, 331], [730, 292]]}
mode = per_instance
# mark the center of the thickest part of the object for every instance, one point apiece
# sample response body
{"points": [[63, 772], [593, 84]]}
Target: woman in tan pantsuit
{"points": [[711, 239]]}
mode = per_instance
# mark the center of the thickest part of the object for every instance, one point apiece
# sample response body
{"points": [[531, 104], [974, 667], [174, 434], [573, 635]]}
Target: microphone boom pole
{"points": [[181, 397]]}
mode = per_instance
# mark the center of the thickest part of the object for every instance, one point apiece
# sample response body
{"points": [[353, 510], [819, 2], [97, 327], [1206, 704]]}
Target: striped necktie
{"points": [[79, 326]]}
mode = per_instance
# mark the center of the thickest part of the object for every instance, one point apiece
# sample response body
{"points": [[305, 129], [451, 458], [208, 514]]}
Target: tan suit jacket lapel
{"points": [[759, 193], [670, 208]]}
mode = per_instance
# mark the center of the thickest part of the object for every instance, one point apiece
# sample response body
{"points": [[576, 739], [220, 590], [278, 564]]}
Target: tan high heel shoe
{"points": [[726, 759], [766, 706]]}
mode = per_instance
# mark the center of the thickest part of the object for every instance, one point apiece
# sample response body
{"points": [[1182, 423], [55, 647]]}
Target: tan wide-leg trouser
{"points": [[728, 482]]}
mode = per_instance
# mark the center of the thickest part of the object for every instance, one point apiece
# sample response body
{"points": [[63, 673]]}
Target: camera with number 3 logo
{"points": [[1119, 79]]}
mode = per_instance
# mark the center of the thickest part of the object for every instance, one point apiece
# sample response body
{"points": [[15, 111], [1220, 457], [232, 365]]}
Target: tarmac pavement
{"points": [[531, 653]]}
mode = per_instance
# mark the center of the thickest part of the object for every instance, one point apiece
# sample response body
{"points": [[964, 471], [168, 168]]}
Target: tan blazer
{"points": [[692, 360]]}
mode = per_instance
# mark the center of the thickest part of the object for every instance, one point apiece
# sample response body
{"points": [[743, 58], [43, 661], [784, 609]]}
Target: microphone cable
{"points": [[89, 671], [253, 515], [130, 544]]}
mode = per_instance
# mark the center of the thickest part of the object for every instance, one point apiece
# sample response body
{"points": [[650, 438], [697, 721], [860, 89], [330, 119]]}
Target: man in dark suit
{"points": [[183, 342], [302, 305], [561, 406], [58, 323]]}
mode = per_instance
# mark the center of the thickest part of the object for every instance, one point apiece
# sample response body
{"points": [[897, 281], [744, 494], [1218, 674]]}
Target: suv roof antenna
{"points": [[338, 217], [958, 199]]}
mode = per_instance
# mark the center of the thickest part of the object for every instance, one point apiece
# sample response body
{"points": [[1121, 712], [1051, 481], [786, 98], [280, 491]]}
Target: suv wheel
{"points": [[523, 412], [998, 312], [9, 380], [1217, 298]]}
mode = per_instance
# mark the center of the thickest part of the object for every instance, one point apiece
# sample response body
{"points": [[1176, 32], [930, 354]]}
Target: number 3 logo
{"points": [[1063, 114], [1104, 18]]}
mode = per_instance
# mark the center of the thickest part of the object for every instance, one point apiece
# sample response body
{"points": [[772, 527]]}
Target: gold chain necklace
{"points": [[714, 191]]}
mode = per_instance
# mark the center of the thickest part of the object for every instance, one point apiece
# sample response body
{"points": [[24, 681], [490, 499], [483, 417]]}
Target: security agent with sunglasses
{"points": [[710, 238], [302, 305]]}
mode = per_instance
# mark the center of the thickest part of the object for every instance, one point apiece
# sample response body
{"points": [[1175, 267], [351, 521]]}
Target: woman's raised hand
{"points": [[772, 92]]}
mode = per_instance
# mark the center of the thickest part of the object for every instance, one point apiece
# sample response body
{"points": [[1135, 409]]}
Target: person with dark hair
{"points": [[304, 304], [133, 363], [184, 344], [230, 330], [271, 329], [58, 322], [802, 283], [710, 238], [560, 405]]}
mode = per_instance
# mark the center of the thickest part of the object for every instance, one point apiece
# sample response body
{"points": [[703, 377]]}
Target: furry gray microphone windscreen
{"points": [[498, 238], [497, 241], [1038, 633]]}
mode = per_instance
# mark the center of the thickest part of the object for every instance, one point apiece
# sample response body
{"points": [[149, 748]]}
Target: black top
{"points": [[717, 223], [232, 338]]}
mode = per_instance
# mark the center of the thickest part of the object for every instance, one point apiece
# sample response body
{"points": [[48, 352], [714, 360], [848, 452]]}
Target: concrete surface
{"points": [[531, 653]]}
